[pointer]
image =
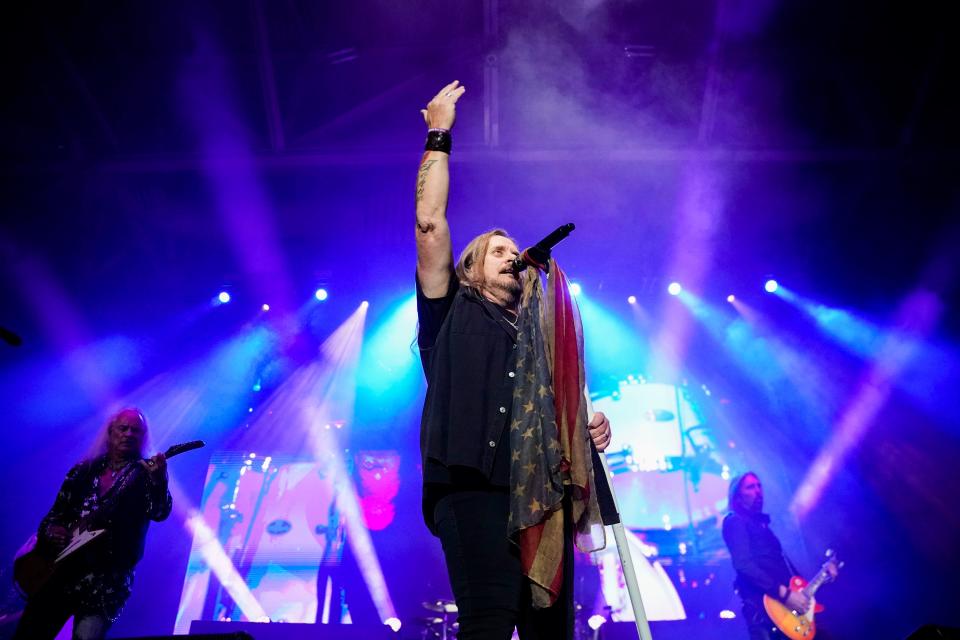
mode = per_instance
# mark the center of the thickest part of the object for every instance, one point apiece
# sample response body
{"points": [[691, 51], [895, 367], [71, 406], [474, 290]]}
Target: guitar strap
{"points": [[108, 501], [790, 565]]}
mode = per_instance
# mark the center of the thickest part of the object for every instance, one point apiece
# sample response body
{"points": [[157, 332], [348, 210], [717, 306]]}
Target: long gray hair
{"points": [[102, 442]]}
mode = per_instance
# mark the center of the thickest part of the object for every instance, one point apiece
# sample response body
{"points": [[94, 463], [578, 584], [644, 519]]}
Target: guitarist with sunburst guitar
{"points": [[92, 538], [776, 603]]}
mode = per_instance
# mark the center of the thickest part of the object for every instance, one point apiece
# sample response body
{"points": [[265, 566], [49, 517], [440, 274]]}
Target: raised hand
{"points": [[441, 111]]}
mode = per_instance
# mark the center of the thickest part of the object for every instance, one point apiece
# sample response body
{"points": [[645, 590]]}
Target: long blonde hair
{"points": [[470, 265]]}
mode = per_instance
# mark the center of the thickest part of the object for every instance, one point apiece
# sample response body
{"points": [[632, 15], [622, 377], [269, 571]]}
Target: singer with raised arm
{"points": [[116, 492], [504, 433]]}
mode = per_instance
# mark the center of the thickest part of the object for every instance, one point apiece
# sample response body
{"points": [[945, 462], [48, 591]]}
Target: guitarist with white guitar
{"points": [[776, 604], [93, 537]]}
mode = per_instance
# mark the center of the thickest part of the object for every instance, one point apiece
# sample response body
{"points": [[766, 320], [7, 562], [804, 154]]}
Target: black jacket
{"points": [[757, 555]]}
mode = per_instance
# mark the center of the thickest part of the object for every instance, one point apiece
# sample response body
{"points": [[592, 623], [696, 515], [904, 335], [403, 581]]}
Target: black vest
{"points": [[467, 349]]}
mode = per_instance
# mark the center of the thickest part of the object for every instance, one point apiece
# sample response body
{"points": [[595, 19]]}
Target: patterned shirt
{"points": [[98, 577]]}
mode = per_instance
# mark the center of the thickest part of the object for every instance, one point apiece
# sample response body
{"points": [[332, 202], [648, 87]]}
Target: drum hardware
{"points": [[440, 626]]}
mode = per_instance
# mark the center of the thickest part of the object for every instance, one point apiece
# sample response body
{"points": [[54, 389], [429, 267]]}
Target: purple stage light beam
{"points": [[241, 201], [60, 320], [700, 212], [917, 316], [317, 394], [206, 544]]}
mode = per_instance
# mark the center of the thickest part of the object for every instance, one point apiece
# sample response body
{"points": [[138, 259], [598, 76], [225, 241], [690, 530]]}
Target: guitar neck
{"points": [[817, 581]]}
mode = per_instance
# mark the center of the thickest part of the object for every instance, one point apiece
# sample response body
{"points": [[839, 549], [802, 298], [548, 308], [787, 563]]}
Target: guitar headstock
{"points": [[177, 449], [832, 564]]}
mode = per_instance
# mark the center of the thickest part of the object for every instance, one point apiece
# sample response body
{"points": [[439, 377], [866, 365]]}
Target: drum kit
{"points": [[440, 624], [667, 471], [670, 480]]}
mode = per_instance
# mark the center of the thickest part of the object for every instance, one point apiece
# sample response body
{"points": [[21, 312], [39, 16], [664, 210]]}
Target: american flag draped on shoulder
{"points": [[549, 442]]}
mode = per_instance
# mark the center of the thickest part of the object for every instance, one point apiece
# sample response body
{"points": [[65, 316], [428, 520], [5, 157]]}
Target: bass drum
{"points": [[662, 456]]}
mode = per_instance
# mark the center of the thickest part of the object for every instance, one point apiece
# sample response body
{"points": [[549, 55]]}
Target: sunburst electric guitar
{"points": [[800, 626], [33, 569]]}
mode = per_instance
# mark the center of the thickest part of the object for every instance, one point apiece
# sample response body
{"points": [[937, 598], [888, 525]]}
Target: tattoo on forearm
{"points": [[422, 177]]}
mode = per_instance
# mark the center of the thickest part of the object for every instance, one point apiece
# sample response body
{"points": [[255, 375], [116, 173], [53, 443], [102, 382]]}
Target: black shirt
{"points": [[467, 348], [757, 555]]}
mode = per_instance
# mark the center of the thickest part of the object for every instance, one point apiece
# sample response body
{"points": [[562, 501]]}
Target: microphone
{"points": [[10, 337], [538, 254]]}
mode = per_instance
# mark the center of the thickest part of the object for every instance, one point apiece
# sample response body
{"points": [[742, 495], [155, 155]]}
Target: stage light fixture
{"points": [[731, 298], [575, 289], [674, 289], [265, 307], [321, 294], [393, 623], [632, 299], [771, 286], [223, 297], [596, 621]]}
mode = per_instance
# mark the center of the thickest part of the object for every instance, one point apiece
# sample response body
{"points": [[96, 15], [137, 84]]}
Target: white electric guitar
{"points": [[32, 569]]}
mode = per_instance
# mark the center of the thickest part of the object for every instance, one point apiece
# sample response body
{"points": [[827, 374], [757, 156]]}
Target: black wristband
{"points": [[438, 140]]}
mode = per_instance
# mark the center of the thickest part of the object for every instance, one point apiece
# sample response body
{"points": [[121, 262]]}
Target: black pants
{"points": [[47, 612], [759, 625], [492, 594]]}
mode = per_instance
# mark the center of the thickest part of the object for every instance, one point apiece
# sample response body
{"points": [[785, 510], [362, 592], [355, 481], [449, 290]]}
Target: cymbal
{"points": [[441, 606], [658, 415]]}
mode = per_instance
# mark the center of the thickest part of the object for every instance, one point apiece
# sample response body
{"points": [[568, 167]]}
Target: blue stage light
{"points": [[265, 307], [731, 298], [674, 289], [575, 289], [632, 299], [321, 294], [771, 286], [223, 297]]}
